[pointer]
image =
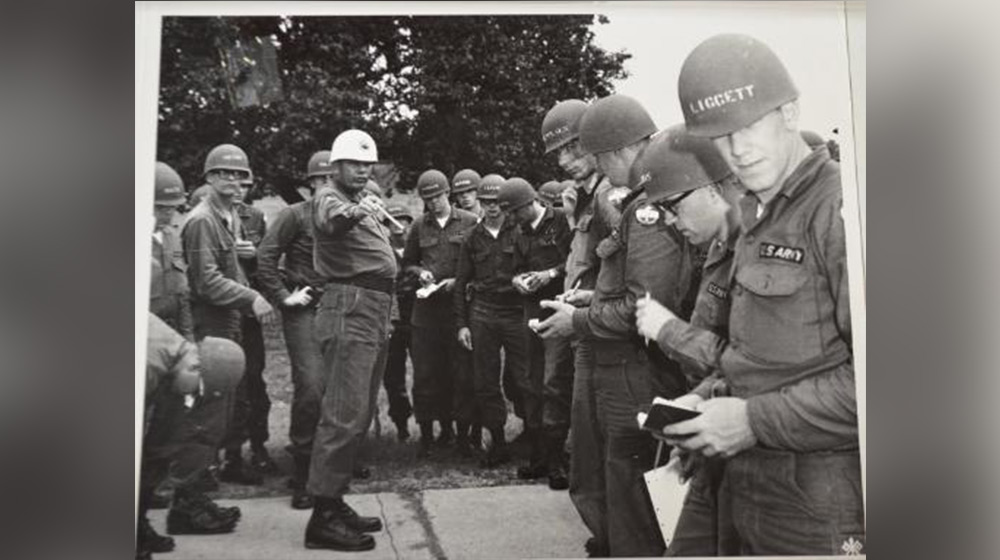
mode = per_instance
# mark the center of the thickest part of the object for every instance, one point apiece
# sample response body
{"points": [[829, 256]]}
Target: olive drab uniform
{"points": [[353, 255], [440, 392], [252, 405], [704, 529], [486, 303], [547, 391], [169, 295], [652, 257], [594, 219], [291, 236], [789, 355]]}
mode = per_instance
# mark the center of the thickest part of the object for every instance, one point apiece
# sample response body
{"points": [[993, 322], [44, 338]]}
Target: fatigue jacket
{"points": [[435, 248], [349, 245], [219, 287], [290, 235], [594, 218], [254, 226], [169, 296], [789, 352], [545, 247], [485, 270]]}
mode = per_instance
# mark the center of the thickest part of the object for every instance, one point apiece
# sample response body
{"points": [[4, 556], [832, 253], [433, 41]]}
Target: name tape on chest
{"points": [[781, 252], [717, 290]]}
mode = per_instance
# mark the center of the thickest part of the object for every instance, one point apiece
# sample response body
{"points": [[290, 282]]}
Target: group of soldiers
{"points": [[703, 263]]}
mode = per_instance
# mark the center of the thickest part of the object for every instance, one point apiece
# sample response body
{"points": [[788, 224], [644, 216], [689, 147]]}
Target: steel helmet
{"points": [[613, 122], [398, 210], [354, 145], [465, 180], [675, 162], [168, 187], [227, 156], [551, 192], [198, 195], [730, 81], [515, 193], [432, 183], [562, 124], [489, 187], [222, 363], [319, 164]]}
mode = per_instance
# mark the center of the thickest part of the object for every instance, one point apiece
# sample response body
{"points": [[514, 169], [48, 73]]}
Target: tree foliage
{"points": [[443, 92]]}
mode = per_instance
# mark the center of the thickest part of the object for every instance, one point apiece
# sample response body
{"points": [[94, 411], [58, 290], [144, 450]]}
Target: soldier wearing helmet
{"points": [[592, 218], [169, 296], [252, 404], [489, 314], [296, 289], [540, 252], [394, 381], [177, 371], [464, 190], [690, 183], [791, 417], [442, 384], [551, 193], [353, 255], [214, 242], [649, 259]]}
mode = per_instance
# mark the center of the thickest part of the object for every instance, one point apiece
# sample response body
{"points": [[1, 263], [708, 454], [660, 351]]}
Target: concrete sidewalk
{"points": [[498, 522]]}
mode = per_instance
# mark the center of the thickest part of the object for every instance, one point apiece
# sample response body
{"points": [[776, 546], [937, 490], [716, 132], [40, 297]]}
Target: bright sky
{"points": [[808, 38]]}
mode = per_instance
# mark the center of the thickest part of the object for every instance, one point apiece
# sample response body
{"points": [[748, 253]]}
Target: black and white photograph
{"points": [[434, 280]]}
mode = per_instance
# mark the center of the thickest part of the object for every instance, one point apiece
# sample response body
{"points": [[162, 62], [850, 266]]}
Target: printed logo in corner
{"points": [[853, 546]]}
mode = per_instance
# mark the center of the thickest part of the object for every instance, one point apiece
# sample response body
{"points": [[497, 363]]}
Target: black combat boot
{"points": [[328, 528], [359, 523], [426, 440], [151, 541], [301, 499], [498, 453], [462, 446], [555, 458], [193, 513], [233, 470], [476, 436], [447, 434]]}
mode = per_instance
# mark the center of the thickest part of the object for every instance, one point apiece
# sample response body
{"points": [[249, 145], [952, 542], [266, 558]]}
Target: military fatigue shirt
{"points": [[214, 273], [542, 248], [169, 296], [485, 270], [290, 235], [348, 244], [254, 226], [594, 218], [435, 248]]}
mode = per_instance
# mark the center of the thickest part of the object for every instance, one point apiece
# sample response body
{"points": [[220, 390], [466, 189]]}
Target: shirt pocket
{"points": [[428, 241], [774, 312]]}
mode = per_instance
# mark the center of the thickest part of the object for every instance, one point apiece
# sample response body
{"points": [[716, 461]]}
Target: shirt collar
{"points": [[801, 177]]}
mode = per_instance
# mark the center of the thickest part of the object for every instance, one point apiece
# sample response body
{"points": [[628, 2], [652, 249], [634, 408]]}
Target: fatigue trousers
{"points": [[400, 408], [352, 328], [705, 529], [623, 388], [251, 405], [307, 373], [587, 488], [786, 503], [495, 328], [442, 376], [550, 365]]}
